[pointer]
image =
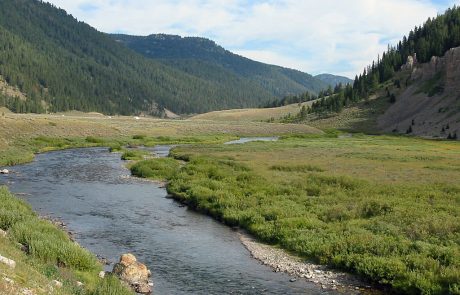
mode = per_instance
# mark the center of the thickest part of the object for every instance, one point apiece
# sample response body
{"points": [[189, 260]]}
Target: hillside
{"points": [[430, 103], [333, 80], [57, 63], [412, 89], [252, 114], [203, 58]]}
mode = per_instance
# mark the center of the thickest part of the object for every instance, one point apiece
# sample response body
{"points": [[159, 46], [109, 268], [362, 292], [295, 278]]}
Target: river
{"points": [[112, 213]]}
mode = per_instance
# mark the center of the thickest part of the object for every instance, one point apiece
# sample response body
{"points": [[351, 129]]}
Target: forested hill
{"points": [[205, 59], [57, 63], [333, 80]]}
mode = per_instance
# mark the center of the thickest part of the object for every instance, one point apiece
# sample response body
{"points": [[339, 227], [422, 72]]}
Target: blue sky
{"points": [[333, 36]]}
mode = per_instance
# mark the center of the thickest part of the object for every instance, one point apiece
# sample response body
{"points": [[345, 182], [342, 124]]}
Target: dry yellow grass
{"points": [[251, 115], [16, 126]]}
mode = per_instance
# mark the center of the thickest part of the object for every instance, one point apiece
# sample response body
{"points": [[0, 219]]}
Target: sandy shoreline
{"points": [[280, 261]]}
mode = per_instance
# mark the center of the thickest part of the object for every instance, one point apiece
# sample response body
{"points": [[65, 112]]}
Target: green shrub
{"points": [[297, 168], [134, 155], [92, 139], [159, 169], [111, 285], [139, 136]]}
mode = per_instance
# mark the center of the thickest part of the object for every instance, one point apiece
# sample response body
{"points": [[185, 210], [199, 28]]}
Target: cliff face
{"points": [[430, 104]]}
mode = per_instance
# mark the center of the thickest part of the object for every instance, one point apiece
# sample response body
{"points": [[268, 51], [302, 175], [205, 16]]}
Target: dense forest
{"points": [[61, 64], [204, 58], [433, 38], [333, 80]]}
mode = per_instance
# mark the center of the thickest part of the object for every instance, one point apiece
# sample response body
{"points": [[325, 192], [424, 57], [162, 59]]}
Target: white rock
{"points": [[102, 274], [2, 233], [79, 284], [4, 171], [57, 284], [8, 262], [9, 281]]}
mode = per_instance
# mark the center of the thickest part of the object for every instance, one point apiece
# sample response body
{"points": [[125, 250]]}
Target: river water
{"points": [[113, 213]]}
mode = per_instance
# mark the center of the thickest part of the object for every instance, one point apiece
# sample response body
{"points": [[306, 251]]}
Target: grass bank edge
{"points": [[48, 253], [414, 271]]}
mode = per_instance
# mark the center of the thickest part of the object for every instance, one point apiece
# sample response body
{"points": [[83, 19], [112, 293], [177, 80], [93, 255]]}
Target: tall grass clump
{"points": [[111, 285], [51, 251], [134, 155], [158, 169], [51, 245]]}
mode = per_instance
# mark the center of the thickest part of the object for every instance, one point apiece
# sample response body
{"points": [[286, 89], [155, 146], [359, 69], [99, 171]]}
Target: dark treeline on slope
{"points": [[434, 38], [303, 97], [62, 64]]}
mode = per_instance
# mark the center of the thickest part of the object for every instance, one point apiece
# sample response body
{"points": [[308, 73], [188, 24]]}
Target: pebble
{"points": [[280, 261], [10, 263], [9, 281], [57, 284], [102, 274]]}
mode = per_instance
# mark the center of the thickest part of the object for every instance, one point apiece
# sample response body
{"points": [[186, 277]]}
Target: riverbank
{"points": [[280, 261], [46, 260], [371, 205]]}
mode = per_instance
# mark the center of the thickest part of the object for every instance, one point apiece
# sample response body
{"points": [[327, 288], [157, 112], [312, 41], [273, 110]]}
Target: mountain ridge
{"points": [[180, 52], [59, 63]]}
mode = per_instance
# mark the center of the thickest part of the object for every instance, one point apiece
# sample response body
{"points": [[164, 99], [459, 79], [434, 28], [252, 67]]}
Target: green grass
{"points": [[386, 217], [432, 86], [297, 168], [158, 169], [135, 155], [50, 253]]}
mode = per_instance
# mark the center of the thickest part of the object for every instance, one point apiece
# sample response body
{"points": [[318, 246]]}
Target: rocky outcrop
{"points": [[429, 102], [133, 273], [411, 61]]}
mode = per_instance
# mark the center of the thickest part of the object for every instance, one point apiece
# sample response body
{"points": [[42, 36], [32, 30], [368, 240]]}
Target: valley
{"points": [[220, 173]]}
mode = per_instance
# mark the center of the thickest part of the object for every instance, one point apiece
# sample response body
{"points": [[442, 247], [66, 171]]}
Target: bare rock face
{"points": [[133, 273], [411, 61], [429, 106]]}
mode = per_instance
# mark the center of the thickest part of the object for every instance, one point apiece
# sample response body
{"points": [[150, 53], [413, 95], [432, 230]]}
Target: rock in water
{"points": [[133, 273], [4, 171]]}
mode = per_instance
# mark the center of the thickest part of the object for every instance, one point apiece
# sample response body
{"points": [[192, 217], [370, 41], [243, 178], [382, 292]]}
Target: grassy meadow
{"points": [[251, 115], [387, 208], [49, 253], [23, 135]]}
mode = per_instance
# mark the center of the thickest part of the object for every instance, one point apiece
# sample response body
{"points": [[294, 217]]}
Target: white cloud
{"points": [[335, 36]]}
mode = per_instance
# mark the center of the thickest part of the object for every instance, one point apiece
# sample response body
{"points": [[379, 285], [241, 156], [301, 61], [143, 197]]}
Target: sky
{"points": [[327, 36]]}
